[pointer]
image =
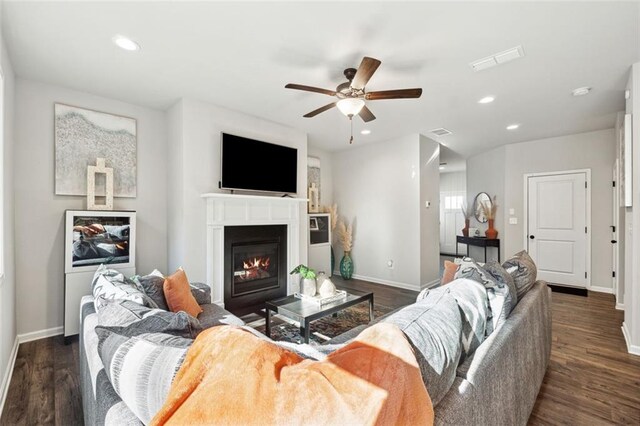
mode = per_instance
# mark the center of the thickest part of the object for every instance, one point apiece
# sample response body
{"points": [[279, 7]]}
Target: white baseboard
{"points": [[601, 289], [6, 380], [632, 349], [398, 284], [620, 306], [430, 284], [40, 334]]}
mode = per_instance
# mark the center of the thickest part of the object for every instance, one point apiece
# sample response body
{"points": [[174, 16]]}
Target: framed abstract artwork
{"points": [[81, 136]]}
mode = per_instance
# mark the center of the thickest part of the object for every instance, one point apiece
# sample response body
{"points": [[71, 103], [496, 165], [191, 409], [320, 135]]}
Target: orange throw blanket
{"points": [[232, 377]]}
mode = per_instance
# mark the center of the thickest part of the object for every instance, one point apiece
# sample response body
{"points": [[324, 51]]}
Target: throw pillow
{"points": [[496, 292], [141, 368], [152, 285], [503, 278], [111, 284], [433, 327], [449, 274], [523, 270], [178, 294], [122, 312]]}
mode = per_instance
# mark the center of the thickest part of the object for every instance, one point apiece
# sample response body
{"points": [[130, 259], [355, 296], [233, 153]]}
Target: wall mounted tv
{"points": [[251, 165]]}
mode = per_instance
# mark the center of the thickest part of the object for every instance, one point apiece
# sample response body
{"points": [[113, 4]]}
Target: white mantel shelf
{"points": [[248, 210]]}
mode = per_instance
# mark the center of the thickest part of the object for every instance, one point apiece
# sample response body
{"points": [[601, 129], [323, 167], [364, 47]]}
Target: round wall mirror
{"points": [[481, 198]]}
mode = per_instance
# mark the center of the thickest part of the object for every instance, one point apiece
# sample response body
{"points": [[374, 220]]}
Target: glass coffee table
{"points": [[304, 312]]}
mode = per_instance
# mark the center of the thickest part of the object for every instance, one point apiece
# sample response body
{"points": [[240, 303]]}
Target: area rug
{"points": [[323, 329]]}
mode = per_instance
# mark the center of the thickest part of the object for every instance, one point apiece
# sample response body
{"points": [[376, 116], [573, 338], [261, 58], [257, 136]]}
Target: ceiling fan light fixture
{"points": [[350, 106]]}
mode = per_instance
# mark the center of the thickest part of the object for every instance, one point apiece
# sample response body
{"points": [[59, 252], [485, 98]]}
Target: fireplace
{"points": [[255, 266]]}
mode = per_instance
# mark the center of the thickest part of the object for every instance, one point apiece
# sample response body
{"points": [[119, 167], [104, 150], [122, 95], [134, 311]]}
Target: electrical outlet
{"points": [[513, 221], [390, 263]]}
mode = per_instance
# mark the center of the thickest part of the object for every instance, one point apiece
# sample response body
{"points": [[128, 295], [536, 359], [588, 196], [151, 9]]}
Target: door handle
{"points": [[532, 236], [613, 241]]}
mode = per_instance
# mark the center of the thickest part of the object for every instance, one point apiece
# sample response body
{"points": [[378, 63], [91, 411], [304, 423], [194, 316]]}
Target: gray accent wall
{"points": [[39, 213]]}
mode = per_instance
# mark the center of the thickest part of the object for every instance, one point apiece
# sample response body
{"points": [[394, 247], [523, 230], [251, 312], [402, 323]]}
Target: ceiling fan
{"points": [[352, 95]]}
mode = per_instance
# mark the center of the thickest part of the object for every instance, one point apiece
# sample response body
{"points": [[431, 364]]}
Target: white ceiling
{"points": [[240, 55]]}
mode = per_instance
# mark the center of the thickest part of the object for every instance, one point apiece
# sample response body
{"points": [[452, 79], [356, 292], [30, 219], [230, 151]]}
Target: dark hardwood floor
{"points": [[591, 379]]}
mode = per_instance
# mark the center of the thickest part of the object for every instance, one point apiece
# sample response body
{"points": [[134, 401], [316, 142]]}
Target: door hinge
{"points": [[614, 183], [585, 185], [613, 274], [585, 229], [585, 275]]}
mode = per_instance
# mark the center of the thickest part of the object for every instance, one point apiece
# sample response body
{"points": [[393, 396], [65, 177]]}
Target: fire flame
{"points": [[257, 262]]}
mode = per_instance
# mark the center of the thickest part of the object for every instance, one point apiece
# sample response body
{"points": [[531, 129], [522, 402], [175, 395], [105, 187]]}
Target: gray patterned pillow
{"points": [[141, 368], [504, 279], [110, 284], [523, 270], [152, 285], [158, 321], [122, 312], [496, 293], [433, 327]]}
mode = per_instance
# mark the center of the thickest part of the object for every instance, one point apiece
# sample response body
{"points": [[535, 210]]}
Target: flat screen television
{"points": [[251, 165]]}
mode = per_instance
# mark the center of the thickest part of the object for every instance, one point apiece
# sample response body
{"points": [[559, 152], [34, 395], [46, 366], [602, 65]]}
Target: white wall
{"points": [[453, 182], [39, 213], [377, 188], [194, 130], [326, 174], [501, 171], [7, 284], [429, 216]]}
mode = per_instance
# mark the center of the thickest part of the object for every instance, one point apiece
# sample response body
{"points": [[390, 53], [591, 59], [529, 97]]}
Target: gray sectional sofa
{"points": [[497, 384]]}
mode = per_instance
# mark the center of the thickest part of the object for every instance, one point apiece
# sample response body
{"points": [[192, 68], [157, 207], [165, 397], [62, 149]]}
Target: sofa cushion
{"points": [[213, 315], [141, 368], [111, 284], [433, 327], [201, 292], [152, 285], [503, 278], [178, 294], [122, 312], [523, 270], [496, 292]]}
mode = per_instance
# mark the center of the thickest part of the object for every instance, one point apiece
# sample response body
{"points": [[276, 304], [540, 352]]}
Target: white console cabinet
{"points": [[93, 238], [320, 242]]}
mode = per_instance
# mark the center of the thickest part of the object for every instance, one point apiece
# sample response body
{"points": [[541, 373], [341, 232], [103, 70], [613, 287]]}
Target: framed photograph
{"points": [[81, 136], [313, 224]]}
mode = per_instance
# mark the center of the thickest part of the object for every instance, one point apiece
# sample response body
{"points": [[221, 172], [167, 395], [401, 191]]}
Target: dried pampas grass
{"points": [[489, 209], [345, 235]]}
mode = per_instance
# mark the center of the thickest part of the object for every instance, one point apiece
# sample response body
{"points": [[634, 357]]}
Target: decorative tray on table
{"points": [[322, 301]]}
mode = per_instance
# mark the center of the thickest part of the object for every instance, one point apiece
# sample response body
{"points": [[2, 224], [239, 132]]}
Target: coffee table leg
{"points": [[305, 326], [268, 322], [371, 308]]}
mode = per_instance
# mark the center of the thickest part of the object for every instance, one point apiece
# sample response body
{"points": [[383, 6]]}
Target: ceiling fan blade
{"points": [[310, 89], [393, 94], [319, 110], [366, 69], [366, 114]]}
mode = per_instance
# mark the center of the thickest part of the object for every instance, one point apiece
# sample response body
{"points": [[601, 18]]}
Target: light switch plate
{"points": [[512, 211], [513, 221]]}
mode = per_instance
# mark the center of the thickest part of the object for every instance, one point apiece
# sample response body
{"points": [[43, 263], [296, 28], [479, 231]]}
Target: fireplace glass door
{"points": [[255, 268]]}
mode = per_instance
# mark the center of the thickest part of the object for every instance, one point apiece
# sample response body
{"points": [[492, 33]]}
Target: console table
{"points": [[478, 242]]}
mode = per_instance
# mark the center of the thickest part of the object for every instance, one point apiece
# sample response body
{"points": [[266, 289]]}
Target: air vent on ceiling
{"points": [[441, 131], [498, 58]]}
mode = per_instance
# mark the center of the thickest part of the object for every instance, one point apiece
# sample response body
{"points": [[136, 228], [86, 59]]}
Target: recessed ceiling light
{"points": [[512, 126], [581, 91], [365, 132], [126, 43], [486, 100]]}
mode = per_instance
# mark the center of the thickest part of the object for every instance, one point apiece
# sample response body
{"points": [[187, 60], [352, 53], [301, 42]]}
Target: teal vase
{"points": [[346, 266], [333, 262]]}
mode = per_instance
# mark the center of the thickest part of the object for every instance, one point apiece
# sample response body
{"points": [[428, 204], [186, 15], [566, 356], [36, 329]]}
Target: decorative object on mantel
{"points": [[468, 213], [345, 234], [81, 135], [490, 208], [314, 205], [99, 168], [307, 279]]}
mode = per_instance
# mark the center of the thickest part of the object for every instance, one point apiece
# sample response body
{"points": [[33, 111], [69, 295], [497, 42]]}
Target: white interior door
{"points": [[451, 220], [615, 255], [557, 227]]}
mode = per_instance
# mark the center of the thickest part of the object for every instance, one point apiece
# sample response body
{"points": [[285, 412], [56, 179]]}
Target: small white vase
{"points": [[327, 288], [308, 287]]}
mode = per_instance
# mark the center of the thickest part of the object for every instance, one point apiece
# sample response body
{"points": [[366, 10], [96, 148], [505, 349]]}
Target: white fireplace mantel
{"points": [[247, 210]]}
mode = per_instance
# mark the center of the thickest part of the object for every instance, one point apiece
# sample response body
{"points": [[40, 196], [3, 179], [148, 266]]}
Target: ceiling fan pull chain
{"points": [[351, 121]]}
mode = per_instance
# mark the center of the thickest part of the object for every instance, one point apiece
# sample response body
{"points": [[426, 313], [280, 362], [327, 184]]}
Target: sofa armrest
{"points": [[201, 292]]}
